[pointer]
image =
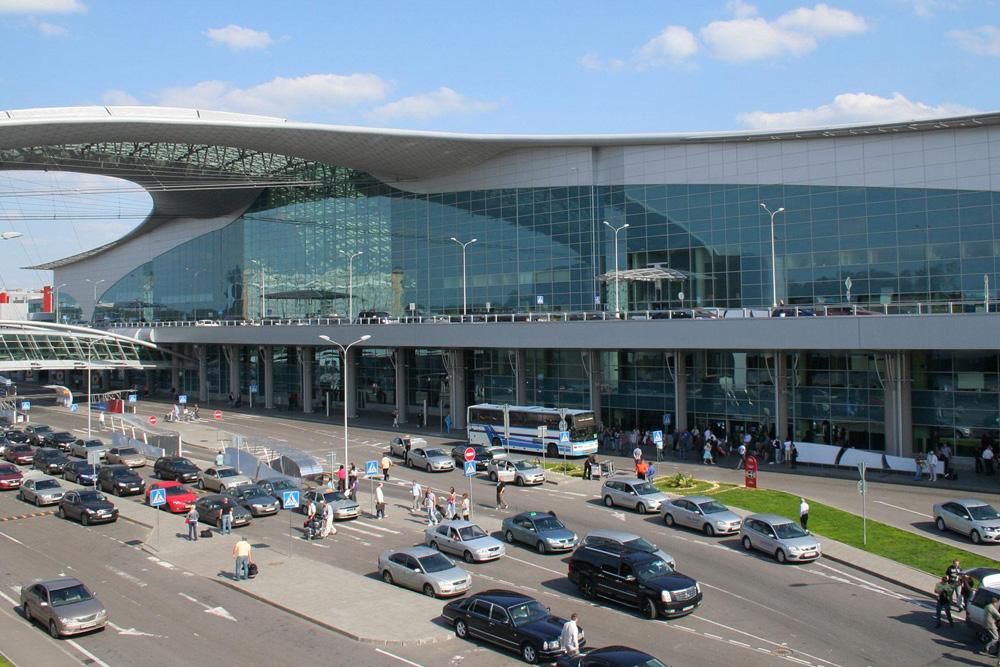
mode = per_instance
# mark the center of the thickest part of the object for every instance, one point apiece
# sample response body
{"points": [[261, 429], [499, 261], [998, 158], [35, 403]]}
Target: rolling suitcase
{"points": [[252, 570]]}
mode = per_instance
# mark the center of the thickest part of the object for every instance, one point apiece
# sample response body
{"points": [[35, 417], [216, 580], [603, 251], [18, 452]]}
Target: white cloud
{"points": [[41, 6], [984, 40], [822, 21], [119, 98], [674, 44], [594, 62], [924, 8], [51, 30], [441, 102], [238, 38], [852, 108]]}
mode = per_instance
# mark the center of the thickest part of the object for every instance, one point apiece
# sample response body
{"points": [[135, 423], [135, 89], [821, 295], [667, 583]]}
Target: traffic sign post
{"points": [[470, 472], [469, 454], [470, 468], [289, 501], [25, 405], [371, 470], [152, 420], [182, 399], [863, 491], [157, 498], [217, 416]]}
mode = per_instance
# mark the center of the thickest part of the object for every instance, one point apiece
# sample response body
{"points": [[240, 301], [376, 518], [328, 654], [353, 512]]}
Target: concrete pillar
{"points": [[898, 404], [234, 369], [520, 379], [351, 390], [906, 403], [457, 389], [781, 427], [268, 353], [202, 353], [175, 373], [680, 390], [593, 362], [402, 382], [306, 359]]}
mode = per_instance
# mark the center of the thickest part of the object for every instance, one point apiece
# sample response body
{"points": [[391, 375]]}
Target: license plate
{"points": [[808, 554], [687, 608]]}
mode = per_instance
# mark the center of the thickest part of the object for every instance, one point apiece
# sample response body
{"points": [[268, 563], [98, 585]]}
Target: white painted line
{"points": [[733, 641], [127, 577], [393, 655], [684, 628], [359, 522], [760, 639], [897, 507], [359, 530], [12, 539], [710, 635], [540, 567], [10, 599], [87, 653]]}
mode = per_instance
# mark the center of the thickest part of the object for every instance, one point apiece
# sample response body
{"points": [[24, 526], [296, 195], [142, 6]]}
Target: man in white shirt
{"points": [[804, 513], [416, 492], [569, 638], [932, 461], [328, 520], [379, 502]]}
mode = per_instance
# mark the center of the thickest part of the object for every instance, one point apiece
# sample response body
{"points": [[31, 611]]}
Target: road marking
{"points": [[401, 659], [710, 635], [12, 539], [733, 641], [215, 611], [132, 632], [540, 567], [10, 599], [897, 507], [360, 530], [127, 577], [87, 653], [358, 522], [760, 639]]}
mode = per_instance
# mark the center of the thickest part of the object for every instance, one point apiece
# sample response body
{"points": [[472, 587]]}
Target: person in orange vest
{"points": [[641, 468]]}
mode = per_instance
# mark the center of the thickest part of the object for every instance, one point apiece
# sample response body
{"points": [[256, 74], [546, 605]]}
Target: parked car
{"points": [[343, 507], [179, 498], [120, 480], [618, 538], [986, 581], [80, 472], [637, 494], [49, 460], [82, 448], [87, 507], [523, 472], [10, 477], [510, 620], [276, 487], [176, 468], [62, 440], [431, 459], [484, 455], [701, 513], [19, 454], [255, 499], [425, 570], [400, 445], [221, 479], [976, 519], [210, 510], [36, 432], [634, 577], [780, 537], [541, 530], [465, 539], [41, 491], [129, 456], [374, 317], [610, 656], [63, 606], [19, 437]]}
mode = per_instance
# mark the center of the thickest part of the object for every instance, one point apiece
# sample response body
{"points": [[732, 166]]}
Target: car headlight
{"points": [[552, 540], [666, 597], [257, 505], [721, 524], [444, 586], [551, 645], [122, 484], [697, 586]]}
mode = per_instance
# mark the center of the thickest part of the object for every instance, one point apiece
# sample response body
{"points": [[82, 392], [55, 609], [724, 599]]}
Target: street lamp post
{"points": [[93, 315], [464, 293], [346, 384], [774, 266], [350, 282], [617, 278], [57, 300]]}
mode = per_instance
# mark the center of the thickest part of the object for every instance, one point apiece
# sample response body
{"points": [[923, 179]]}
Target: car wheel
{"points": [[496, 442], [493, 477], [467, 557], [509, 536], [780, 556], [120, 493], [38, 501], [541, 547], [461, 629], [200, 484], [26, 612], [648, 608], [53, 630], [427, 467], [519, 481], [387, 577], [429, 591], [709, 531], [746, 543], [529, 653], [587, 589], [60, 513], [940, 524], [608, 502], [640, 508], [84, 519], [668, 519], [434, 545], [553, 451], [975, 537]]}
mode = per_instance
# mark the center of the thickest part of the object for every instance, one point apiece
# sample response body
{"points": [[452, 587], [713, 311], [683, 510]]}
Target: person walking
{"points": [[966, 590], [452, 499], [955, 575], [328, 528], [395, 418], [990, 617], [242, 553], [385, 464], [932, 461], [353, 491], [501, 487], [944, 453], [192, 523], [942, 593], [379, 502], [100, 418], [743, 455], [466, 507], [220, 458], [988, 460], [569, 638], [342, 479], [352, 475], [804, 514], [430, 504], [641, 468], [416, 492], [793, 454], [659, 449], [706, 455], [227, 517]]}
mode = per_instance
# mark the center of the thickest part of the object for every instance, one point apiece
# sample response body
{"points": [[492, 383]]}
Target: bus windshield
{"points": [[582, 427]]}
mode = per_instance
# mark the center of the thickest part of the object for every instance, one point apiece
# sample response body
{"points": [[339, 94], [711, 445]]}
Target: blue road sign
{"points": [[289, 500], [74, 407], [371, 468], [25, 405], [157, 497], [470, 468], [564, 437], [657, 437], [182, 399], [133, 398], [254, 387], [666, 419]]}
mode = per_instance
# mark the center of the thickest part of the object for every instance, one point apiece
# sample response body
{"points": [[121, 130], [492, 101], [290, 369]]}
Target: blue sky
{"points": [[513, 67]]}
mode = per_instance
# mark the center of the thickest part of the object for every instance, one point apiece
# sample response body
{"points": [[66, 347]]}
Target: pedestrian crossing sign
{"points": [[289, 499], [564, 437], [657, 437], [470, 468], [157, 497], [371, 468]]}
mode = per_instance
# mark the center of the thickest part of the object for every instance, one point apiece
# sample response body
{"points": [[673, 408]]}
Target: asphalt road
{"points": [[756, 612]]}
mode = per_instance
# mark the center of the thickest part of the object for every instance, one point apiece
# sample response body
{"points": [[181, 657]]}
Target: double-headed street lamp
{"points": [[346, 384], [617, 278], [464, 247], [774, 264], [57, 300], [93, 316], [350, 282]]}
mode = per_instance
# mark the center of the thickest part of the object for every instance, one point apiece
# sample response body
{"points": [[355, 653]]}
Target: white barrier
{"points": [[833, 455]]}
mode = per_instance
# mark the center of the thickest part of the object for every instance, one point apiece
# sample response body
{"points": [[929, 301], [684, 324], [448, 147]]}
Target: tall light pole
{"points": [[57, 300], [345, 372], [263, 311], [616, 230], [7, 236], [350, 282], [774, 265], [89, 370], [465, 245], [93, 315]]}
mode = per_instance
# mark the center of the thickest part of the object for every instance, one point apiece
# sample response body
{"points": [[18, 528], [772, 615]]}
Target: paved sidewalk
{"points": [[25, 645]]}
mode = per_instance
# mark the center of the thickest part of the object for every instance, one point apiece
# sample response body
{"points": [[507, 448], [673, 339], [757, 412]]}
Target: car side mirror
{"points": [[415, 569], [43, 604], [630, 577]]}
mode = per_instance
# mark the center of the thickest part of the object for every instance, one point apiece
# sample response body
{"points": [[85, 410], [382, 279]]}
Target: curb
{"points": [[340, 631], [879, 575]]}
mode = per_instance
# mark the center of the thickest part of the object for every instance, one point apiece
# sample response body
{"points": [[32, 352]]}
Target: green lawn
{"points": [[899, 545], [571, 469], [4, 662]]}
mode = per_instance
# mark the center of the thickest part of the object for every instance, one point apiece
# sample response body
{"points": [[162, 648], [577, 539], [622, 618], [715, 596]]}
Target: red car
{"points": [[10, 477], [179, 497], [20, 454]]}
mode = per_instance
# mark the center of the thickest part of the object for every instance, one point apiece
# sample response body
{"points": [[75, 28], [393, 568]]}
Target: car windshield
{"points": [[123, 472], [645, 489], [528, 612], [92, 496], [250, 491], [789, 530], [333, 496], [128, 451], [435, 563], [548, 523], [654, 567], [226, 472], [42, 429], [70, 595], [7, 469], [641, 545], [983, 512], [182, 462], [21, 448], [471, 532], [435, 452], [47, 484], [63, 435], [93, 443], [491, 451], [713, 507], [525, 465], [282, 484], [177, 491]]}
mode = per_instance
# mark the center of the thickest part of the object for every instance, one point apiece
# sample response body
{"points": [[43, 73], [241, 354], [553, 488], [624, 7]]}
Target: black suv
{"points": [[610, 656], [511, 620], [20, 437], [63, 440], [636, 578], [49, 460], [120, 480], [176, 467]]}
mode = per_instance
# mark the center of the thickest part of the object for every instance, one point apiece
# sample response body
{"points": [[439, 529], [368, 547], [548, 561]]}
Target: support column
{"points": [[306, 359], [234, 369], [680, 390], [593, 363], [457, 389], [898, 404], [520, 381], [906, 403], [402, 382], [202, 353], [351, 390], [175, 373], [781, 398], [268, 352]]}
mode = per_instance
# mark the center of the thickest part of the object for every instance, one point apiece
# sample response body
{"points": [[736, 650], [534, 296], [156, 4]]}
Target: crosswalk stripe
{"points": [[358, 522], [359, 530]]}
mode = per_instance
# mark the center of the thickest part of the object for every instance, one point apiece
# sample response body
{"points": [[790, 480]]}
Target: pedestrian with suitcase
{"points": [[192, 523], [242, 553]]}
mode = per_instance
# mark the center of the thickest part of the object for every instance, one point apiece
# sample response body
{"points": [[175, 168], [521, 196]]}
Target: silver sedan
{"points": [[433, 459], [975, 518], [425, 570], [41, 491], [465, 539], [780, 537], [129, 456], [701, 513], [221, 479], [63, 607]]}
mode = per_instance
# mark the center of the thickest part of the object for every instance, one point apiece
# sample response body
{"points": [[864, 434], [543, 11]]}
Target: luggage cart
{"points": [[606, 468]]}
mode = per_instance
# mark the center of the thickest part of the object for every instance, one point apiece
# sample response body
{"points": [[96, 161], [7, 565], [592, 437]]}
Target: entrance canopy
{"points": [[27, 346]]}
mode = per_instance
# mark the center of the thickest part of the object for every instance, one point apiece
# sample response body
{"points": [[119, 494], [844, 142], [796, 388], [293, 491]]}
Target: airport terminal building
{"points": [[632, 274]]}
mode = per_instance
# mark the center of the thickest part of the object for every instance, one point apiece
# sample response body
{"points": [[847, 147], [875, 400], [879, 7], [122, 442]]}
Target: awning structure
{"points": [[307, 294], [28, 345], [647, 275]]}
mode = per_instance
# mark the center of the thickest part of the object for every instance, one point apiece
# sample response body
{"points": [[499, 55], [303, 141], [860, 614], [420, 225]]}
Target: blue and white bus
{"points": [[488, 423]]}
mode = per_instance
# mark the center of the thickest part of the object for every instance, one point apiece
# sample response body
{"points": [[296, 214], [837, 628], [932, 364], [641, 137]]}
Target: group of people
{"points": [[182, 413], [956, 587], [427, 501]]}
